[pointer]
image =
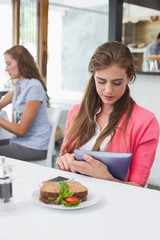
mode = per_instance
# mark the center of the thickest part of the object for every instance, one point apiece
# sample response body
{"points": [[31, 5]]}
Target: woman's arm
{"points": [[90, 167], [29, 114], [7, 99]]}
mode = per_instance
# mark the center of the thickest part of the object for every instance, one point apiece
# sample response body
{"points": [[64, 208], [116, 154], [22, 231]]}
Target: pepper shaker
{"points": [[6, 190]]}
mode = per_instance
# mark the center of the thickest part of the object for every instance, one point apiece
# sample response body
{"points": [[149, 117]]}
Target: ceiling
{"points": [[129, 10], [80, 3], [153, 4]]}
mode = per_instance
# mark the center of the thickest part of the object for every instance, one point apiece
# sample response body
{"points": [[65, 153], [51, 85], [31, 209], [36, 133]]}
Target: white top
{"points": [[90, 144], [124, 212]]}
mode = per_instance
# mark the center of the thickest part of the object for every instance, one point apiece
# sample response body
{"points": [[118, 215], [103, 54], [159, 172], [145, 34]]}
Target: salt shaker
{"points": [[6, 190]]}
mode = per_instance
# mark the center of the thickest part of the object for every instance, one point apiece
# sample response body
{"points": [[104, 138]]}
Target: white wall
{"points": [[146, 92]]}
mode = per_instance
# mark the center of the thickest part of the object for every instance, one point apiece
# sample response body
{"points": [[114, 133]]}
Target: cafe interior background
{"points": [[63, 43]]}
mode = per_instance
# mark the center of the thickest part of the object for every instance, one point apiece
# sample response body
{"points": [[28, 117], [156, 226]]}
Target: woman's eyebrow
{"points": [[118, 79], [100, 78]]}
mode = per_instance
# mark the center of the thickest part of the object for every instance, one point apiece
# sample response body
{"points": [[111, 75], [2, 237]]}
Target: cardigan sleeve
{"points": [[144, 150], [141, 139]]}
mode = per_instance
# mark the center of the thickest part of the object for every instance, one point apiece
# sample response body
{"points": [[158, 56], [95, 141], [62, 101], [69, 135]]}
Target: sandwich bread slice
{"points": [[50, 191]]}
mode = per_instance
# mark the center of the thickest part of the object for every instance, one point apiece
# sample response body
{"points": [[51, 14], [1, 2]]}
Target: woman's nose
{"points": [[108, 88]]}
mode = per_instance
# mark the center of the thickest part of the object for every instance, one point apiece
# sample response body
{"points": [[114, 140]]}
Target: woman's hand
{"points": [[91, 167], [63, 162]]}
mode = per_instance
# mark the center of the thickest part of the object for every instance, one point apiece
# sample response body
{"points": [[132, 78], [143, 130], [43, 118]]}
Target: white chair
{"points": [[53, 117]]}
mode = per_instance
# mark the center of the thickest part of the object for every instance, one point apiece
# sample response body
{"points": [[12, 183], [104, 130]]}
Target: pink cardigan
{"points": [[141, 139]]}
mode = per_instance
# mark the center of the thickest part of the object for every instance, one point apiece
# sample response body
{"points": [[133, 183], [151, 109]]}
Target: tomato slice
{"points": [[71, 199]]}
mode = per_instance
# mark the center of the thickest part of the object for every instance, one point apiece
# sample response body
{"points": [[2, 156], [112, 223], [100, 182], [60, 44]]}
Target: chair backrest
{"points": [[53, 117]]}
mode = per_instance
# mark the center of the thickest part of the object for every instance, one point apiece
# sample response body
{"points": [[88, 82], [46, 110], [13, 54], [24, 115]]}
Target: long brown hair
{"points": [[26, 64], [83, 126]]}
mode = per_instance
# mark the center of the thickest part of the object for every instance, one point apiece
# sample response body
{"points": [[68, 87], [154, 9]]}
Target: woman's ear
{"points": [[131, 79]]}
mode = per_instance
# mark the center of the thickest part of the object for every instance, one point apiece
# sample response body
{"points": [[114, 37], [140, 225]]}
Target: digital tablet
{"points": [[117, 163]]}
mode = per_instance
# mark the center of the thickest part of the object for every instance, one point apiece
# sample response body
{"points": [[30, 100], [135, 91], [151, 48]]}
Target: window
{"points": [[73, 35], [28, 25], [6, 38]]}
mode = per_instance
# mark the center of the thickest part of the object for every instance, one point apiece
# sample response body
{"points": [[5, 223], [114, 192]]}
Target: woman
{"points": [[152, 49], [108, 119], [30, 124]]}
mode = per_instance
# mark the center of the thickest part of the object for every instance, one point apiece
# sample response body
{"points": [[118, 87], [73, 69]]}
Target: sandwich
{"points": [[53, 192]]}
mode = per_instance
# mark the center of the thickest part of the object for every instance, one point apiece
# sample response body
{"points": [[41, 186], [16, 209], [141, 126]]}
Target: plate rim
{"points": [[90, 202]]}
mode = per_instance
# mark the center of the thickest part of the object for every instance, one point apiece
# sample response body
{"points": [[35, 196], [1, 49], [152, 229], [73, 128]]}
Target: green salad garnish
{"points": [[65, 197]]}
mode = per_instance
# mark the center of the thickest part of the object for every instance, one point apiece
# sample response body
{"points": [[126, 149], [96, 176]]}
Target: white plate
{"points": [[93, 198]]}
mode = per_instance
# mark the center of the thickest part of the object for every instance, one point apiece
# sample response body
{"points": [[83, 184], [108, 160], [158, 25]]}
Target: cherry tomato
{"points": [[71, 199]]}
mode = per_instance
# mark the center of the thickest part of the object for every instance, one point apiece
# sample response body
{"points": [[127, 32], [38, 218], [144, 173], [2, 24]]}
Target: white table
{"points": [[124, 212], [4, 134]]}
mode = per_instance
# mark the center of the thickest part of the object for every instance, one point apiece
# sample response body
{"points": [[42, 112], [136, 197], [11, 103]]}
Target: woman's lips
{"points": [[109, 98]]}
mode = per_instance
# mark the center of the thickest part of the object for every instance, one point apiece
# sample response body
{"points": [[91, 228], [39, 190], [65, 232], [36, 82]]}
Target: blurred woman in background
{"points": [[30, 126]]}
